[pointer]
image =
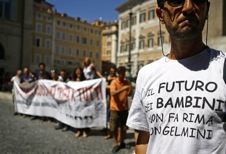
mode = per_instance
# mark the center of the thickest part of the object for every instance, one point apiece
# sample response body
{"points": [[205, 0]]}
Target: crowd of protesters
{"points": [[117, 91]]}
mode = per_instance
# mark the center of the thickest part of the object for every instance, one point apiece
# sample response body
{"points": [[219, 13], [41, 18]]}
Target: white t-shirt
{"points": [[180, 103], [89, 74]]}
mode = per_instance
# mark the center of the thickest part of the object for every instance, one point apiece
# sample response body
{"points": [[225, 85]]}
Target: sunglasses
{"points": [[176, 3]]}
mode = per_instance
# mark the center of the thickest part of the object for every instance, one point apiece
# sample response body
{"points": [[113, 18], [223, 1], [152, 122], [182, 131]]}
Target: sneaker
{"points": [[65, 129], [103, 130], [34, 118], [124, 146], [58, 127], [115, 149]]}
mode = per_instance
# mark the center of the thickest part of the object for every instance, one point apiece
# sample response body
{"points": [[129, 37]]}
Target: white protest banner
{"points": [[78, 104]]}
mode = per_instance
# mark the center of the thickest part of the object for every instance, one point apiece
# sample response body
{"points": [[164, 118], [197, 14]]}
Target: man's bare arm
{"points": [[142, 142]]}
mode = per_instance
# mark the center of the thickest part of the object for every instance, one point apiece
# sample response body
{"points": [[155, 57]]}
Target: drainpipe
{"points": [[22, 35]]}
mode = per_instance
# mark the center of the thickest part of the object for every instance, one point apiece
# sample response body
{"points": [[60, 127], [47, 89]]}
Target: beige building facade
{"points": [[110, 41], [142, 38], [109, 46], [145, 32], [216, 32]]}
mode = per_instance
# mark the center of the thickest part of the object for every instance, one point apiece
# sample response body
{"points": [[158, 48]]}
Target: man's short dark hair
{"points": [[160, 3], [121, 69], [42, 64]]}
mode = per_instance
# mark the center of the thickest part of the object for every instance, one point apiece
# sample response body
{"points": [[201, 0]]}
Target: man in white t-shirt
{"points": [[179, 104]]}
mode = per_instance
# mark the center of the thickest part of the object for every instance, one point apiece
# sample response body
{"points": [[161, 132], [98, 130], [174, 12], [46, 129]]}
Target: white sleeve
{"points": [[137, 117]]}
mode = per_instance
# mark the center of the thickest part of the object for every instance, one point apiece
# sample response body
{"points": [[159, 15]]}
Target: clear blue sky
{"points": [[89, 10]]}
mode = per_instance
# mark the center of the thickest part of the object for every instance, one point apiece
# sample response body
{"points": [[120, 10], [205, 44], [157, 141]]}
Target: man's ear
{"points": [[160, 14]]}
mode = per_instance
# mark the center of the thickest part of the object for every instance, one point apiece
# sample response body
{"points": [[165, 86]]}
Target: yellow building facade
{"points": [[63, 41]]}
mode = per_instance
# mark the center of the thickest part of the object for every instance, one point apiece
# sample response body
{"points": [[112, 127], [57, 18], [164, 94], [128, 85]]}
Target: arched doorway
{"points": [[2, 70], [2, 53]]}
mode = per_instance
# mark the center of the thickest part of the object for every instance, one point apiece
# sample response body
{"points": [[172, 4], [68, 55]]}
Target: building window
{"points": [[84, 29], [133, 45], [84, 40], [62, 63], [49, 29], [141, 44], [84, 53], [63, 36], [58, 22], [38, 42], [58, 35], [151, 14], [7, 9], [77, 39], [78, 27], [64, 24], [57, 49], [160, 38], [48, 44], [108, 52], [69, 62], [123, 25], [97, 55], [127, 23], [37, 59], [150, 42], [97, 43], [47, 60], [77, 52], [127, 47], [91, 41], [70, 37], [49, 18], [69, 51], [108, 43], [71, 26], [142, 17], [134, 20], [62, 49], [90, 54], [38, 27], [39, 16], [121, 48]]}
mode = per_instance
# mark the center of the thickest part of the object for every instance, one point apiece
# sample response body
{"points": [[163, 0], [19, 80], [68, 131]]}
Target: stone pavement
{"points": [[21, 135]]}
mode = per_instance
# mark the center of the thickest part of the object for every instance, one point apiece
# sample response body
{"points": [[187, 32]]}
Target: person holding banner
{"points": [[120, 89], [26, 77], [54, 75], [15, 79], [90, 71], [42, 74], [78, 75], [62, 78]]}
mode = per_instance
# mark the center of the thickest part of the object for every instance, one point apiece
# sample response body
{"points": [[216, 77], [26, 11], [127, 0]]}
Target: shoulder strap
{"points": [[224, 71]]}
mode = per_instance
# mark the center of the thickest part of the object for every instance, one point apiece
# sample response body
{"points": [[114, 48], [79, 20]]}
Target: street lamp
{"points": [[130, 45]]}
